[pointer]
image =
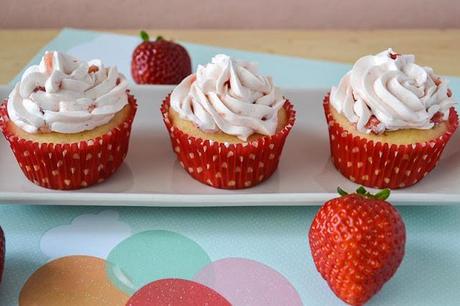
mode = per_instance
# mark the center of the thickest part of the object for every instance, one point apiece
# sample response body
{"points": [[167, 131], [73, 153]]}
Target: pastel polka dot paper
{"points": [[271, 237], [151, 267]]}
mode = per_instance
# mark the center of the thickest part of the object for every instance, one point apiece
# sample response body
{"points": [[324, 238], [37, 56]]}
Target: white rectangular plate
{"points": [[151, 176]]}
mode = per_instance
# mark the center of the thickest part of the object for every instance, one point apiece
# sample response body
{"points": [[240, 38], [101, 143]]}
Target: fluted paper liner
{"points": [[72, 165], [228, 166], [383, 165]]}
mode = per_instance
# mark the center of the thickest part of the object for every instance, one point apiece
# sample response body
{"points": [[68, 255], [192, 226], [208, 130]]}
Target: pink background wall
{"points": [[230, 13]]}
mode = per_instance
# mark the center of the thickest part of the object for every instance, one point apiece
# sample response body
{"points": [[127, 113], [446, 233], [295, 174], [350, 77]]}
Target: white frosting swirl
{"points": [[229, 95], [66, 95], [393, 92]]}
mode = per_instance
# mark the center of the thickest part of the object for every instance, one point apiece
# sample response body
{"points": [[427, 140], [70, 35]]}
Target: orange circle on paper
{"points": [[71, 280]]}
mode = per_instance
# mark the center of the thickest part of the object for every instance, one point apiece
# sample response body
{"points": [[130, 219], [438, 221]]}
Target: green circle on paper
{"points": [[152, 255]]}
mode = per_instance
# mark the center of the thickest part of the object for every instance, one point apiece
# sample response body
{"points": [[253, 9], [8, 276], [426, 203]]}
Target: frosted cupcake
{"points": [[389, 120], [228, 124], [68, 121]]}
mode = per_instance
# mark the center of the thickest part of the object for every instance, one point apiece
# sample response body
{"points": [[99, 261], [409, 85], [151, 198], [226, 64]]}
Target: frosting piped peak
{"points": [[66, 95], [229, 95], [389, 91]]}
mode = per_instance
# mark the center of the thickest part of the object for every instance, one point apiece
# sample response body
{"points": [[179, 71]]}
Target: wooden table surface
{"points": [[436, 48]]}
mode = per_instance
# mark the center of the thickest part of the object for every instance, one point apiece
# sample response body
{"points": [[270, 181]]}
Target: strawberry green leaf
{"points": [[383, 194], [362, 191], [145, 36], [341, 191]]}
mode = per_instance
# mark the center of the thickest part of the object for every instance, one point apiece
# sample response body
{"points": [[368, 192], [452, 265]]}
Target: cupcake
{"points": [[68, 121], [389, 120], [228, 124]]}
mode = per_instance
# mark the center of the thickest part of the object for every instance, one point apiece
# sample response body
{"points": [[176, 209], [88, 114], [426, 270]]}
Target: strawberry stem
{"points": [[144, 36], [159, 37], [381, 195]]}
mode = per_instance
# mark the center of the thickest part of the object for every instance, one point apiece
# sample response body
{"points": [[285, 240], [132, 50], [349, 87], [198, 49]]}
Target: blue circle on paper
{"points": [[152, 255]]}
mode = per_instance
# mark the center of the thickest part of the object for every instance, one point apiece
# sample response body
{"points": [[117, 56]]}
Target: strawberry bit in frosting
{"points": [[437, 118], [373, 124], [394, 55], [63, 94], [39, 88], [93, 69], [389, 91]]}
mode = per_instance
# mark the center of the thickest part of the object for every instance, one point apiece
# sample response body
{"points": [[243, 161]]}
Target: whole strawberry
{"points": [[159, 62], [2, 253], [357, 242]]}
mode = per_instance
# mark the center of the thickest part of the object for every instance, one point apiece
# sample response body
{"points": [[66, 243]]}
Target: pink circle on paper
{"points": [[248, 282], [177, 292]]}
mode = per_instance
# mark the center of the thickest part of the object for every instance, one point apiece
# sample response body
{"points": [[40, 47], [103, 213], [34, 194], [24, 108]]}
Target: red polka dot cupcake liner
{"points": [[383, 165], [228, 166], [72, 165]]}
